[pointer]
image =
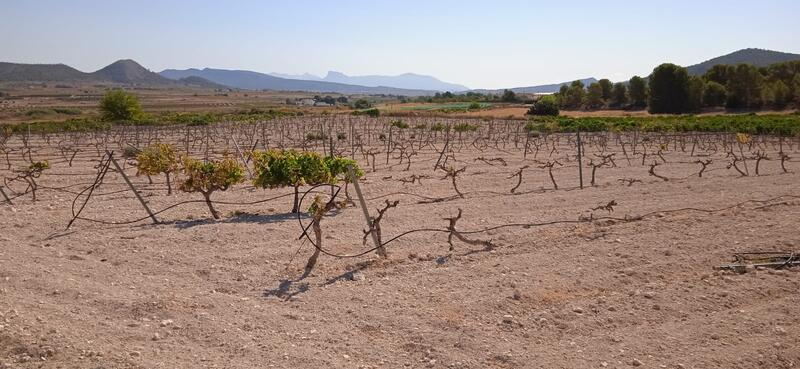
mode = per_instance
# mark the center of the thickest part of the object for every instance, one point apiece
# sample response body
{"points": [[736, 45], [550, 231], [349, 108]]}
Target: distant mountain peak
{"points": [[130, 72], [261, 81], [334, 74]]}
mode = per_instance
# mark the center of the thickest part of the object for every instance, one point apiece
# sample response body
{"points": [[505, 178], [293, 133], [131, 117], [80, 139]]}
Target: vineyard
{"points": [[486, 243]]}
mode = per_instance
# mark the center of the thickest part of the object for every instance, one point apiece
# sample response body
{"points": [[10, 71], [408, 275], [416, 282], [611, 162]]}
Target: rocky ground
{"points": [[197, 293]]}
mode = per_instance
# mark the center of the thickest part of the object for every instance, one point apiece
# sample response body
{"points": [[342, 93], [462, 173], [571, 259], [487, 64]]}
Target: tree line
{"points": [[670, 89]]}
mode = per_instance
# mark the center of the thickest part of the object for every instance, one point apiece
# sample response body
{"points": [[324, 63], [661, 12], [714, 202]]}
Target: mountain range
{"points": [[407, 80], [129, 72], [124, 71], [250, 80]]}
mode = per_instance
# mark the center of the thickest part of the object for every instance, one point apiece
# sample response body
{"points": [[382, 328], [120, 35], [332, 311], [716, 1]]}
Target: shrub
{"points": [[474, 106], [36, 168], [209, 177], [546, 105], [438, 127], [37, 112], [275, 169], [369, 112], [119, 105], [465, 127], [399, 124], [315, 136], [157, 159], [289, 168], [337, 167], [67, 111], [362, 104]]}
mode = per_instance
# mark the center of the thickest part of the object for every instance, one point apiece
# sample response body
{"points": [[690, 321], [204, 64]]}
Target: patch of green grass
{"points": [[455, 106]]}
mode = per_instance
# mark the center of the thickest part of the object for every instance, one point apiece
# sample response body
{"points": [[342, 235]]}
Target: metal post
{"points": [[135, 192], [363, 205], [580, 162]]}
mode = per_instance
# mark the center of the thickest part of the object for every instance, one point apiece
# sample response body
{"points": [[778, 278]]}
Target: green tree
{"points": [[795, 89], [509, 96], [696, 89], [575, 95], [718, 73], [669, 89], [637, 87], [776, 95], [619, 95], [594, 96], [545, 105], [714, 94], [119, 105], [784, 71], [744, 87], [561, 96], [209, 177], [607, 87]]}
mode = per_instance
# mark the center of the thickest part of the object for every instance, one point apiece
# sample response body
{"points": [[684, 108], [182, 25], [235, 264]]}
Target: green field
{"points": [[455, 106]]}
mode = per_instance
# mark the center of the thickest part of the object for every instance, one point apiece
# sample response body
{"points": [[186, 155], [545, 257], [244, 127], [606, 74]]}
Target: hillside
{"points": [[758, 57], [121, 72], [250, 80], [129, 72], [194, 81], [15, 72], [540, 89]]}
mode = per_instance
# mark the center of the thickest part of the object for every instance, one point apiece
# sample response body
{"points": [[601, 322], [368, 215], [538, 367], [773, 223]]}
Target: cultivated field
{"points": [[548, 275]]}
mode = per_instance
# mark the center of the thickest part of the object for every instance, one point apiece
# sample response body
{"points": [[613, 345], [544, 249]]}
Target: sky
{"points": [[481, 44]]}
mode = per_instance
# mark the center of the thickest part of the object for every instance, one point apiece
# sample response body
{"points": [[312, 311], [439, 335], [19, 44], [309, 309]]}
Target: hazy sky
{"points": [[487, 44]]}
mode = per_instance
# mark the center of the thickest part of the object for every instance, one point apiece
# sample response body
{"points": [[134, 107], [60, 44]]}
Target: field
{"points": [[536, 273], [37, 103], [444, 107]]}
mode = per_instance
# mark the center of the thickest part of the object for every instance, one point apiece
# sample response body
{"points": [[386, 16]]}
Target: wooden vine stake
{"points": [[5, 197], [354, 179], [135, 192]]}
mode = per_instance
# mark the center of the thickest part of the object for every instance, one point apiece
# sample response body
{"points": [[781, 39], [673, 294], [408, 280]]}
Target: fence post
{"points": [[580, 161], [135, 192]]}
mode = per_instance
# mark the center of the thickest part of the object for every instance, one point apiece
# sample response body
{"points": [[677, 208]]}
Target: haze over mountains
{"points": [[406, 80], [129, 72], [250, 80]]}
